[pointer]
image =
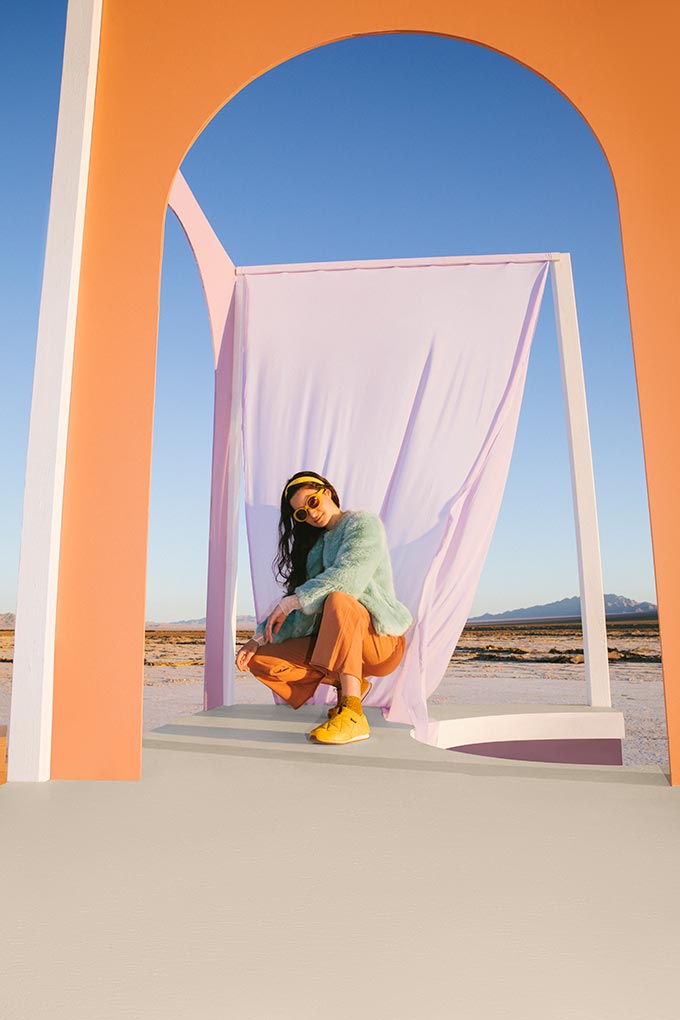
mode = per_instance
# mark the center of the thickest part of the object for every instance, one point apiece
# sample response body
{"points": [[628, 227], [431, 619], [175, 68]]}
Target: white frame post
{"points": [[30, 731], [236, 428], [582, 482]]}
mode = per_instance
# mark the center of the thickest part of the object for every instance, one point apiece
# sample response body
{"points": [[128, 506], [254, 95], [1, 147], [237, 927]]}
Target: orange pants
{"points": [[346, 642]]}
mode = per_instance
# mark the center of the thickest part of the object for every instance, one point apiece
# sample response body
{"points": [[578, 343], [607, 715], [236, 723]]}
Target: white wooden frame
{"points": [[229, 674], [30, 730], [582, 484], [578, 437]]}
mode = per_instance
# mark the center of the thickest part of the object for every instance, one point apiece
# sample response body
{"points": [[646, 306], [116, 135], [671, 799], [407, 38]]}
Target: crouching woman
{"points": [[341, 620]]}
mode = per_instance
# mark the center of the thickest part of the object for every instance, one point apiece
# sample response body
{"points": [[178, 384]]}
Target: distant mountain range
{"points": [[242, 623], [186, 624], [614, 605]]}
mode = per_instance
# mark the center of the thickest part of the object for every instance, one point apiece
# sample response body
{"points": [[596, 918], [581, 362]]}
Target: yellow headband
{"points": [[304, 478]]}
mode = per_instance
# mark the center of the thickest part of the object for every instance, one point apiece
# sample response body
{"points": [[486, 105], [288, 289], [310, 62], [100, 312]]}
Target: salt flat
{"points": [[491, 665]]}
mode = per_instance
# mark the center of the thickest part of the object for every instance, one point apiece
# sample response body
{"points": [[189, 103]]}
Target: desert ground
{"points": [[525, 663]]}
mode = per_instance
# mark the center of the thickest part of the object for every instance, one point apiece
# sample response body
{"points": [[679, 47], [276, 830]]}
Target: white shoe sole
{"points": [[352, 740]]}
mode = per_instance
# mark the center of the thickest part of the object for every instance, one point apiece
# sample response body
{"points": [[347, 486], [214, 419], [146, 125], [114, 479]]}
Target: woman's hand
{"points": [[272, 626], [276, 618], [279, 614], [245, 654]]}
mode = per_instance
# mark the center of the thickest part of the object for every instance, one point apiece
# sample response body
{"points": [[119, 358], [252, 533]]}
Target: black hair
{"points": [[296, 538]]}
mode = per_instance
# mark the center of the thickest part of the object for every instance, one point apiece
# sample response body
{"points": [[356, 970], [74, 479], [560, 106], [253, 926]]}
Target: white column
{"points": [[583, 484], [30, 732], [235, 471]]}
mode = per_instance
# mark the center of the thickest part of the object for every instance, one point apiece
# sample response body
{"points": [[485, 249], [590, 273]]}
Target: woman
{"points": [[340, 620]]}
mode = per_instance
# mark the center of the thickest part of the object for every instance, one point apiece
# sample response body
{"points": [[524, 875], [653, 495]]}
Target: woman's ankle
{"points": [[351, 685], [354, 704]]}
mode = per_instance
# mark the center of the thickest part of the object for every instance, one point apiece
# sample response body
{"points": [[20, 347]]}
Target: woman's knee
{"points": [[341, 600], [261, 664]]}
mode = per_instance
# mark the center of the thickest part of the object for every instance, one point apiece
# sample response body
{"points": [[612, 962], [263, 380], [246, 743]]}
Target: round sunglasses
{"points": [[311, 503]]}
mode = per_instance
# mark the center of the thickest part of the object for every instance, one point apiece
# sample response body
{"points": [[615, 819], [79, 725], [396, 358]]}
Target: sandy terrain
{"points": [[532, 664]]}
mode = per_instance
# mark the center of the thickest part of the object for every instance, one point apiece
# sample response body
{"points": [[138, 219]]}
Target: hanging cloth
{"points": [[401, 384]]}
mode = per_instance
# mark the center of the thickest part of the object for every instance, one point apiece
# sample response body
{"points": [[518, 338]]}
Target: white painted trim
{"points": [[583, 485], [448, 260], [588, 724], [30, 732]]}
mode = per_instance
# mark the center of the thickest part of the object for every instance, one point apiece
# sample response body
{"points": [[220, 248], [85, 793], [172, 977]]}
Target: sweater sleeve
{"points": [[361, 550], [288, 624], [258, 634], [285, 631]]}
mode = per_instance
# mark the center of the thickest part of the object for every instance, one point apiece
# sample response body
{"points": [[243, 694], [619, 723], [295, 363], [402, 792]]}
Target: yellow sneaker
{"points": [[365, 688], [312, 733], [343, 728]]}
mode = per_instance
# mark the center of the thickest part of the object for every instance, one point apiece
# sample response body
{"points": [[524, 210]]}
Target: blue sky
{"points": [[382, 146]]}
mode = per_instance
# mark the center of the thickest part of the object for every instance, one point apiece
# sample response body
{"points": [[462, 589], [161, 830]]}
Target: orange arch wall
{"points": [[166, 67]]}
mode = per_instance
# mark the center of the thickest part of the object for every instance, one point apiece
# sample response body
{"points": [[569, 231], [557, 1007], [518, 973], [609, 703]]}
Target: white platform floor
{"points": [[251, 873]]}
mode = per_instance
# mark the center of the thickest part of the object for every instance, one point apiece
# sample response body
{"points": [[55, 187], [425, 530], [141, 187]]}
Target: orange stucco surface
{"points": [[166, 67]]}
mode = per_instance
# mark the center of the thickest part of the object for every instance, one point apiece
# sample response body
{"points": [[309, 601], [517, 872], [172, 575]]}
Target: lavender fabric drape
{"points": [[403, 386]]}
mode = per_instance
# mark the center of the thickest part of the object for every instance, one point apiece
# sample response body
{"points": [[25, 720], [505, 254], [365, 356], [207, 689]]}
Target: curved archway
{"points": [[277, 159]]}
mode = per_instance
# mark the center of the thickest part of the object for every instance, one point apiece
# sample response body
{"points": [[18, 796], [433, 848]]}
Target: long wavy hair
{"points": [[296, 538]]}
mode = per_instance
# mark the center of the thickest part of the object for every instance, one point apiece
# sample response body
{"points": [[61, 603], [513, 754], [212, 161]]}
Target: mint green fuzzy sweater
{"points": [[353, 557]]}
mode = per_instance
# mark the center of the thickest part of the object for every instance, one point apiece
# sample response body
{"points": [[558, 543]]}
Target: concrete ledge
{"points": [[277, 733]]}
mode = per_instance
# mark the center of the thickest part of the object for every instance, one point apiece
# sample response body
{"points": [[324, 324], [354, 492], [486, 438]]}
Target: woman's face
{"points": [[319, 516]]}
